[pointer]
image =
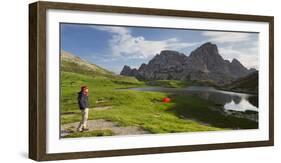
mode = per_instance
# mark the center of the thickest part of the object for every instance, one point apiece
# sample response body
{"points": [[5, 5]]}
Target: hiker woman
{"points": [[84, 107]]}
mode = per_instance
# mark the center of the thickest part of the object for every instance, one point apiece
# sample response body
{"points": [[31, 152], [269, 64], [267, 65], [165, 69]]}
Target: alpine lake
{"points": [[240, 105]]}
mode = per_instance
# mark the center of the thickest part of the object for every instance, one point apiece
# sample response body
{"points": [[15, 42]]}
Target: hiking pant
{"points": [[83, 123]]}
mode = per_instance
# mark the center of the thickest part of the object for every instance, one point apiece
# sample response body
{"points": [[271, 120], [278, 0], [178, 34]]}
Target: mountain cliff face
{"points": [[204, 64]]}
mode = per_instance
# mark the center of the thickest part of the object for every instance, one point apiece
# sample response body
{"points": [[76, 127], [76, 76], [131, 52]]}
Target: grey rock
{"points": [[237, 69], [203, 64], [127, 71]]}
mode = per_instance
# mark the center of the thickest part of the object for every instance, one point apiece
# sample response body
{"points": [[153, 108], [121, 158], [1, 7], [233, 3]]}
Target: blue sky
{"points": [[112, 47]]}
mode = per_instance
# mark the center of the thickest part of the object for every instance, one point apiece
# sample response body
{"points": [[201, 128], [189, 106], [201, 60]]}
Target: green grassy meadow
{"points": [[143, 109]]}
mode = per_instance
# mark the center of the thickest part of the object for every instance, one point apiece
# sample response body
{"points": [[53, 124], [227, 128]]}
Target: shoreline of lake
{"points": [[229, 100]]}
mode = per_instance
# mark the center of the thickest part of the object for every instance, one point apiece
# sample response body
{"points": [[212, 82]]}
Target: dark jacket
{"points": [[83, 101]]}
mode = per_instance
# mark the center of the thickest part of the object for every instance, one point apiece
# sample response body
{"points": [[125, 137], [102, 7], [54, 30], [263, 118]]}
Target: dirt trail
{"points": [[102, 124], [102, 108]]}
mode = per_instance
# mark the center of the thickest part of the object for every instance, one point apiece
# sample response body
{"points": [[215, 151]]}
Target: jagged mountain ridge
{"points": [[203, 64]]}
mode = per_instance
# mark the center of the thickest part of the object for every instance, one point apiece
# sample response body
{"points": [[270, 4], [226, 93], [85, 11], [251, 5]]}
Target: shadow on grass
{"points": [[206, 112], [92, 133]]}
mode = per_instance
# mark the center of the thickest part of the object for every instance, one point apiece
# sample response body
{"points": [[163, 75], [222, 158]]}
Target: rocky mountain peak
{"points": [[235, 61], [204, 63], [207, 49], [168, 57], [127, 71], [237, 69], [169, 53], [208, 45], [253, 70], [207, 58], [126, 68]]}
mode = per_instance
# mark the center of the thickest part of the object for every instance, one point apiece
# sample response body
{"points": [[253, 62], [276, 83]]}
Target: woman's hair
{"points": [[83, 88]]}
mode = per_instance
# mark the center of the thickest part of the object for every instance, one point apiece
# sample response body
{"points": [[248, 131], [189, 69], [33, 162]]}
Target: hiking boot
{"points": [[85, 129]]}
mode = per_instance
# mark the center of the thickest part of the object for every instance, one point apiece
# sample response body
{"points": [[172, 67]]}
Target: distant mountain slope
{"points": [[245, 84], [72, 63], [203, 64]]}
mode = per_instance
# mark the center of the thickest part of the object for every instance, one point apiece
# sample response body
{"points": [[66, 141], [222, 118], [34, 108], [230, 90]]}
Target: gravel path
{"points": [[102, 124], [102, 108]]}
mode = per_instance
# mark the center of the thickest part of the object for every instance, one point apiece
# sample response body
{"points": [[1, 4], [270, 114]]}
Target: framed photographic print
{"points": [[112, 81]]}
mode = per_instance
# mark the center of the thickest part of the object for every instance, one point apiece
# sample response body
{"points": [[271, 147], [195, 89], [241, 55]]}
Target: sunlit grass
{"points": [[142, 109]]}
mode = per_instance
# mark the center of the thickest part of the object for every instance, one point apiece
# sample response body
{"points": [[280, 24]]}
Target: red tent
{"points": [[166, 100]]}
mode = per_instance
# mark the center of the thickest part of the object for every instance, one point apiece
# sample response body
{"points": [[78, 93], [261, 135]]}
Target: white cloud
{"points": [[226, 37], [118, 30], [123, 43]]}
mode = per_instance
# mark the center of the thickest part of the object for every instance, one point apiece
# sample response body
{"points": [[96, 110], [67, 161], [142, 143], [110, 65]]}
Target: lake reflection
{"points": [[238, 104]]}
